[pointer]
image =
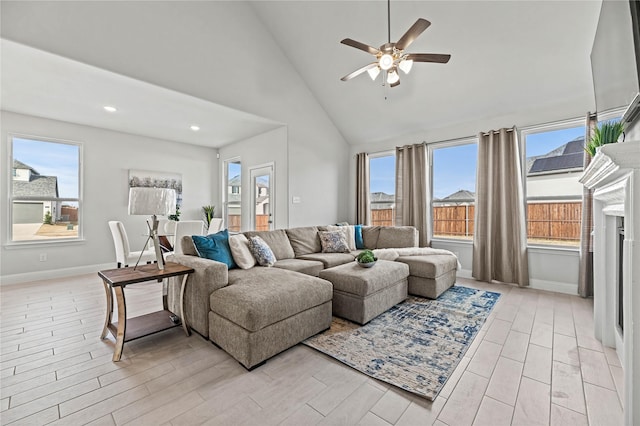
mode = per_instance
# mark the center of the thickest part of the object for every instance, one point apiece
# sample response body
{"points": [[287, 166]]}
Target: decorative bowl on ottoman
{"points": [[366, 259]]}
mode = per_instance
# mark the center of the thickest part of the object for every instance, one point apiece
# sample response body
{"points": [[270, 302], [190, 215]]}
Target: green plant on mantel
{"points": [[207, 212], [605, 133]]}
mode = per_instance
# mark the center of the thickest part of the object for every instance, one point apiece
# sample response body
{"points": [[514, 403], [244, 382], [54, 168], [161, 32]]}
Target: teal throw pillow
{"points": [[215, 247], [359, 239]]}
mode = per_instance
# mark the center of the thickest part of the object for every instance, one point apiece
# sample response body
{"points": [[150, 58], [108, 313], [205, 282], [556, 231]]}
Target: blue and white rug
{"points": [[415, 345]]}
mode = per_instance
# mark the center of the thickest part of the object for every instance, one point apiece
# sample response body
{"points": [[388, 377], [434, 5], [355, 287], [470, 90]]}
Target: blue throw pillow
{"points": [[215, 247], [359, 239]]}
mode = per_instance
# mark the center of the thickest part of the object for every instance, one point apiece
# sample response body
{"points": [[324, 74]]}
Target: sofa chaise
{"points": [[255, 313]]}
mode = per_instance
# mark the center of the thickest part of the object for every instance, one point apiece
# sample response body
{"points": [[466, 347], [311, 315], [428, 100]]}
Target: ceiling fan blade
{"points": [[397, 83], [412, 33], [429, 57], [360, 46], [359, 71]]}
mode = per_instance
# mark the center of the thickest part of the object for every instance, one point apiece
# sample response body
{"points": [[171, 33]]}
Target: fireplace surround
{"points": [[614, 175]]}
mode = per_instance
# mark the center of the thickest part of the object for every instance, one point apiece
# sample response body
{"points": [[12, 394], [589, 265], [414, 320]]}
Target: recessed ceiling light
{"points": [[110, 108], [195, 128]]}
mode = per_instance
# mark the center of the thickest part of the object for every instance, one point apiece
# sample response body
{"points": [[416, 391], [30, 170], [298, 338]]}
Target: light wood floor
{"points": [[534, 362]]}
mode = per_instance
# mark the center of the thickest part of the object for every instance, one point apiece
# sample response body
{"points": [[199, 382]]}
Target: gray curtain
{"points": [[585, 276], [500, 236], [412, 190], [363, 212]]}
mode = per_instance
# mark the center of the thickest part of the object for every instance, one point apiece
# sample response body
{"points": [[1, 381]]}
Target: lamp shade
{"points": [[150, 201]]}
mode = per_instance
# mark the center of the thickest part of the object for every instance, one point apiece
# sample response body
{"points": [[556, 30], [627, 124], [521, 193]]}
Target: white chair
{"points": [[215, 226], [187, 227], [124, 255]]}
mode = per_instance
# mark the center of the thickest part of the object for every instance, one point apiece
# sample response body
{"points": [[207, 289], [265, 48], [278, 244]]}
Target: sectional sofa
{"points": [[258, 312]]}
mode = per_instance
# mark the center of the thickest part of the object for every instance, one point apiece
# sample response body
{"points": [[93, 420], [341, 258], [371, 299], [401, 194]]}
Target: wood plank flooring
{"points": [[534, 362]]}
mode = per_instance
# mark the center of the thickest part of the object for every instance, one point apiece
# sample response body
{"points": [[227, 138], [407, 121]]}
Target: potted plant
{"points": [[366, 259], [607, 132], [207, 212]]}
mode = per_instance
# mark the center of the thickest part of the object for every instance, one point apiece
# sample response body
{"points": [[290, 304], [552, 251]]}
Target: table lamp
{"points": [[152, 201]]}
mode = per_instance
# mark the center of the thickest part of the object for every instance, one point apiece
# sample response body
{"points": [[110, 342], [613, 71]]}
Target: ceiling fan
{"points": [[392, 56]]}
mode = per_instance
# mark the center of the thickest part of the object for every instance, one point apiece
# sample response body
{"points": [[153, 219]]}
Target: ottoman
{"points": [[431, 274], [361, 294]]}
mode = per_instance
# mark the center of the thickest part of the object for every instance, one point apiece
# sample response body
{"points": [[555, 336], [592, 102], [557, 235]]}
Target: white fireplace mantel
{"points": [[614, 175]]}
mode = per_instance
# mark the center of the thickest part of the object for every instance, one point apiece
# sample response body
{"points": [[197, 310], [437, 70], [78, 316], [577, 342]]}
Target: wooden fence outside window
{"points": [[553, 222]]}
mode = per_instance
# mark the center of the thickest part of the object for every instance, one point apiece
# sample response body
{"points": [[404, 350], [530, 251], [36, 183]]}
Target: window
{"points": [[454, 185], [382, 184], [233, 185], [45, 190], [554, 163]]}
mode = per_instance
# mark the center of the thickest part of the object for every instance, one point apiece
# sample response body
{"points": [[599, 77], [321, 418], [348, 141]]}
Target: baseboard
{"points": [[464, 273], [555, 286], [52, 273]]}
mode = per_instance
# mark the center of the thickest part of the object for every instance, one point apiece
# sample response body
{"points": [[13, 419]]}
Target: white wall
{"points": [[218, 51], [107, 158], [270, 147]]}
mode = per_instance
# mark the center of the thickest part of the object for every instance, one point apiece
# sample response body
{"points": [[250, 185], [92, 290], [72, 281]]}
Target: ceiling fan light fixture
{"points": [[392, 77], [373, 73], [385, 62], [405, 65]]}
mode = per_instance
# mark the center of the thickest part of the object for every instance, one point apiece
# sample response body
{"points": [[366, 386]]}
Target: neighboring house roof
{"points": [[381, 200], [461, 196], [567, 157], [17, 164], [38, 186]]}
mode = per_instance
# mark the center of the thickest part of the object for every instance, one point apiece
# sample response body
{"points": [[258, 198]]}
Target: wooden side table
{"points": [[126, 330]]}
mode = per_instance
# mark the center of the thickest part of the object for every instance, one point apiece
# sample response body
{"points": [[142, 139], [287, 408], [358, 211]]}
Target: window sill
{"points": [[451, 240], [16, 245]]}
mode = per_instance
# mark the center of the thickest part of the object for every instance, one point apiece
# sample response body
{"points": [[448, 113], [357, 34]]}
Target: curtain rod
{"points": [[488, 133]]}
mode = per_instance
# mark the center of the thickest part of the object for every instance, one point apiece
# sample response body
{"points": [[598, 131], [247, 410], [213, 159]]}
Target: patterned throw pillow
{"points": [[261, 251], [215, 247], [333, 242]]}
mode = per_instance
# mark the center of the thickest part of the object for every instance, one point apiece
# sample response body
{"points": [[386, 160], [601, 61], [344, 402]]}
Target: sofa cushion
{"points": [[370, 236], [277, 240], [188, 247], [261, 251], [430, 266], [397, 236], [333, 242], [240, 251], [304, 240], [267, 296], [309, 267], [329, 260], [215, 247]]}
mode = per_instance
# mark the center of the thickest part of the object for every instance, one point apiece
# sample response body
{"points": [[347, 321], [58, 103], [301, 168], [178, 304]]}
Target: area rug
{"points": [[415, 345]]}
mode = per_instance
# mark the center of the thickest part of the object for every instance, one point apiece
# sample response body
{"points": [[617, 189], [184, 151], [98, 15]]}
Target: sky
{"points": [[52, 159], [454, 168]]}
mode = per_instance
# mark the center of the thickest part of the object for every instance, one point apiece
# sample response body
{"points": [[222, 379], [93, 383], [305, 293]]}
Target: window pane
{"points": [[554, 195], [382, 184], [233, 196], [38, 161], [454, 184], [45, 190]]}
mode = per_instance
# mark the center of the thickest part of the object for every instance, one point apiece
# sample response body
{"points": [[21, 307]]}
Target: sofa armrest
{"points": [[208, 277]]}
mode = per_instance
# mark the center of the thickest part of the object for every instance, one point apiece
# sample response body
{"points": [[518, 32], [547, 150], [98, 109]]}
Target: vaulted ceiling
{"points": [[526, 61]]}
